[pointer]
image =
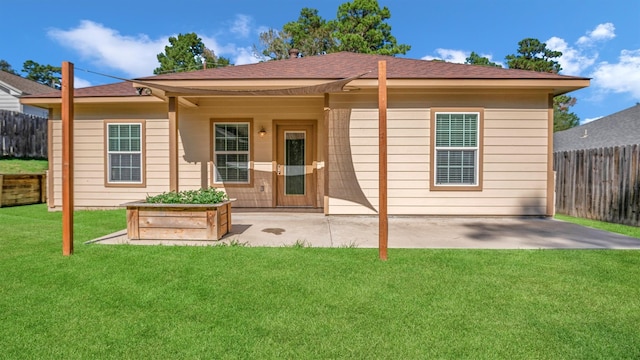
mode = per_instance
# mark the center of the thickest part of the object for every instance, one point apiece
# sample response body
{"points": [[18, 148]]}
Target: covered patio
{"points": [[275, 229]]}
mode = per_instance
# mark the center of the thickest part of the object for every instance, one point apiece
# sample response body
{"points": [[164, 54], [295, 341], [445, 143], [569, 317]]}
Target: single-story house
{"points": [[12, 87], [618, 129], [303, 132]]}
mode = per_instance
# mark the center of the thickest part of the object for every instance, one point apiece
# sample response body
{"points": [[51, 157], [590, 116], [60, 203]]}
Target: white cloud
{"points": [[136, 56], [620, 77], [245, 56], [576, 59], [573, 60], [588, 120], [241, 25], [80, 83], [237, 55], [602, 32], [456, 56], [449, 55], [133, 55], [218, 49]]}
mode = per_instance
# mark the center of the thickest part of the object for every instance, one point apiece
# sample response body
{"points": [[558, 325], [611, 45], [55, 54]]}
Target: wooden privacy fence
{"points": [[600, 184], [22, 135]]}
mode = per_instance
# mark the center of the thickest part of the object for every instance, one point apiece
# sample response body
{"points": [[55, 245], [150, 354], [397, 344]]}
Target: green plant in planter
{"points": [[202, 196]]}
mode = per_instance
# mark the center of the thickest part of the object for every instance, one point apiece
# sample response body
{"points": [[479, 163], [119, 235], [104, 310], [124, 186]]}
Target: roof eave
{"points": [[563, 85], [557, 86], [12, 88], [50, 102]]}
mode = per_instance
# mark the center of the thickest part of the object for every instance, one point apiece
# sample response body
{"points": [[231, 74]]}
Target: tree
{"points": [[562, 118], [186, 53], [275, 45], [360, 27], [311, 34], [212, 61], [534, 55], [475, 59], [5, 66], [44, 74]]}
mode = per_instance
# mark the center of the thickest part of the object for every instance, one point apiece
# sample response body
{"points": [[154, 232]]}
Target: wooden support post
{"points": [[43, 187], [67, 158], [173, 144], [325, 170], [229, 227], [551, 184], [50, 199], [133, 223], [382, 160], [1, 188]]}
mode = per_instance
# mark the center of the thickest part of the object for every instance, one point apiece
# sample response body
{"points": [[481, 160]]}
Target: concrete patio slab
{"points": [[317, 230]]}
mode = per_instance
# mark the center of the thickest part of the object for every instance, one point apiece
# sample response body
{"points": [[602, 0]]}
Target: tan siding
{"points": [[486, 193], [515, 141], [515, 167], [510, 150], [261, 112], [515, 160], [523, 133], [523, 184], [515, 152], [195, 166], [89, 159]]}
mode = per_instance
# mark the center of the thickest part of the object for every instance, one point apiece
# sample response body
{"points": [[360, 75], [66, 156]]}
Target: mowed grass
{"points": [[109, 301], [22, 166]]}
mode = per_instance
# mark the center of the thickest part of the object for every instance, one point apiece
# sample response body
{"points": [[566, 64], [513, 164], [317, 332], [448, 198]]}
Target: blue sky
{"points": [[599, 39]]}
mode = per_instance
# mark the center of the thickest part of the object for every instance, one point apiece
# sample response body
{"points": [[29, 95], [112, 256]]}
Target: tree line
{"points": [[44, 74], [360, 26]]}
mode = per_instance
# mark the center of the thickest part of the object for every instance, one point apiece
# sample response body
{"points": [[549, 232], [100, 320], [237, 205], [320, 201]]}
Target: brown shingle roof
{"points": [[123, 88], [331, 66], [27, 86], [345, 64]]}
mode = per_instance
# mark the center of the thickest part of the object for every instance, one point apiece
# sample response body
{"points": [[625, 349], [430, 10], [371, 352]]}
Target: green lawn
{"points": [[297, 303], [21, 166]]}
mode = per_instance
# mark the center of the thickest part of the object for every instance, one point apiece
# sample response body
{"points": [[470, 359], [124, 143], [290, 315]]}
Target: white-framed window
{"points": [[231, 153], [457, 148], [124, 153]]}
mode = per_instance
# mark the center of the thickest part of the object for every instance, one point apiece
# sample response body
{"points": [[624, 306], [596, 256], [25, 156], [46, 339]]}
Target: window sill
{"points": [[455, 188], [125, 185]]}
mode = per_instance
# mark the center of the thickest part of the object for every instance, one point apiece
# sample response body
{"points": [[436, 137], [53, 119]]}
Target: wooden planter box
{"points": [[178, 221], [22, 189]]}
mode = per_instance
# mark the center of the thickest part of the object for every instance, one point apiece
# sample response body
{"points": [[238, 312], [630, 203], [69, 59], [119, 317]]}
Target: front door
{"points": [[295, 172]]}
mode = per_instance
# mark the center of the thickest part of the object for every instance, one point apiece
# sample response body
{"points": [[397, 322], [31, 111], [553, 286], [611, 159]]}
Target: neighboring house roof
{"points": [[326, 67], [26, 86], [619, 129]]}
